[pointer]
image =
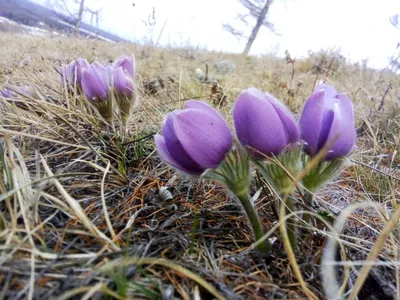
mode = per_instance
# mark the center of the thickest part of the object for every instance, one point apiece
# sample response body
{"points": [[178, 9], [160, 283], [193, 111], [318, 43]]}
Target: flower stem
{"points": [[309, 198], [291, 225], [258, 228]]}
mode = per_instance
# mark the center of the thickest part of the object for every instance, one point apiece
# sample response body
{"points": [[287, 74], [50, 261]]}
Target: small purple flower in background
{"points": [[6, 93], [123, 77], [123, 83], [96, 87], [127, 63], [95, 82], [328, 117], [73, 71], [264, 123], [194, 139]]}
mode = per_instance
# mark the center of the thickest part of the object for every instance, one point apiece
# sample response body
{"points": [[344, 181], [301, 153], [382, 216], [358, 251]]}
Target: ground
{"points": [[82, 214]]}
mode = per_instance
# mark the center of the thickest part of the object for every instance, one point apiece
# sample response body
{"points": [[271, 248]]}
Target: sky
{"points": [[359, 29]]}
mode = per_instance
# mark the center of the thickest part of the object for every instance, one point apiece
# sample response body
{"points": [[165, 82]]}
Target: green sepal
{"points": [[324, 172], [281, 172]]}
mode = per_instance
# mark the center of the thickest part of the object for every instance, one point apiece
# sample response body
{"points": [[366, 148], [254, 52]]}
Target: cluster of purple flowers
{"points": [[101, 84], [198, 138], [197, 141]]}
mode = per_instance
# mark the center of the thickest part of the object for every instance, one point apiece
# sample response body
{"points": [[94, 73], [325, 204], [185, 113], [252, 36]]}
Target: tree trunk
{"points": [[80, 13], [257, 27]]}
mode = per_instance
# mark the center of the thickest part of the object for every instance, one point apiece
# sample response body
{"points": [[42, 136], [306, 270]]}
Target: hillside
{"points": [[29, 17], [88, 210]]}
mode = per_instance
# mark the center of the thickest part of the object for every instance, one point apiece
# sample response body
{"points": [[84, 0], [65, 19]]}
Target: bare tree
{"points": [[257, 9], [74, 9], [80, 13], [94, 14]]}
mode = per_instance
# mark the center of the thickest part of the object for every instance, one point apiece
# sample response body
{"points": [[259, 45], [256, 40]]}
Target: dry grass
{"points": [[80, 211]]}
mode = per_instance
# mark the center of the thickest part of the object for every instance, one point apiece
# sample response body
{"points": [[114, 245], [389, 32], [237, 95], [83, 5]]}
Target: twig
{"points": [[384, 96]]}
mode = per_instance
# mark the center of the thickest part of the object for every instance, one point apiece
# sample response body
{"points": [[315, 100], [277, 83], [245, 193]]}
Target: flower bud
{"points": [[264, 123], [127, 63], [95, 82], [328, 117], [194, 139]]}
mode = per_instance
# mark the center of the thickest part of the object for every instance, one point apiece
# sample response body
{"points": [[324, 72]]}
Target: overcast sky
{"points": [[359, 28]]}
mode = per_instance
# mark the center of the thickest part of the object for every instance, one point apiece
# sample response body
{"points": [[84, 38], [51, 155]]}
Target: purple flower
{"points": [[127, 63], [95, 82], [6, 93], [328, 117], [264, 123], [123, 83], [194, 139], [73, 71]]}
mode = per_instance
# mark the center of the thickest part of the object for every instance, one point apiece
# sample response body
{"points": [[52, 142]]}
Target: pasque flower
{"points": [[123, 83], [194, 139], [95, 82], [264, 123], [328, 117], [96, 86], [127, 63], [6, 93], [197, 138], [124, 92], [72, 72]]}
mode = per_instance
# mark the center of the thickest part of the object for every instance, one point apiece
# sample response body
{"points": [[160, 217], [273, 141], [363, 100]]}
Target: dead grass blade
{"points": [[79, 211], [108, 267]]}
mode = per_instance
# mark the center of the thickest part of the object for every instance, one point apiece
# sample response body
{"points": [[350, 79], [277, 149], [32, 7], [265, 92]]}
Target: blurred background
{"points": [[362, 31]]}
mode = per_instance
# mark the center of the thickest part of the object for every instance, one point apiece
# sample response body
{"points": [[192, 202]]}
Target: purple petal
{"points": [[287, 119], [257, 123], [201, 105], [122, 83], [127, 63], [311, 120], [93, 84], [175, 148], [326, 125], [6, 93], [204, 135], [102, 72], [330, 91], [161, 146], [80, 66], [342, 130], [65, 72]]}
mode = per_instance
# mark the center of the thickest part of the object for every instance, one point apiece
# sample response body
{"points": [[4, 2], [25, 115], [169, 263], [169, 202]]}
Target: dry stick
{"points": [[384, 96], [375, 169], [387, 230], [329, 67]]}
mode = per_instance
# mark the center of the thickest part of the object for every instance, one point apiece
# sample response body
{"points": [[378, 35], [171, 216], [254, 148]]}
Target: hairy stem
{"points": [[257, 226], [309, 197], [291, 223]]}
